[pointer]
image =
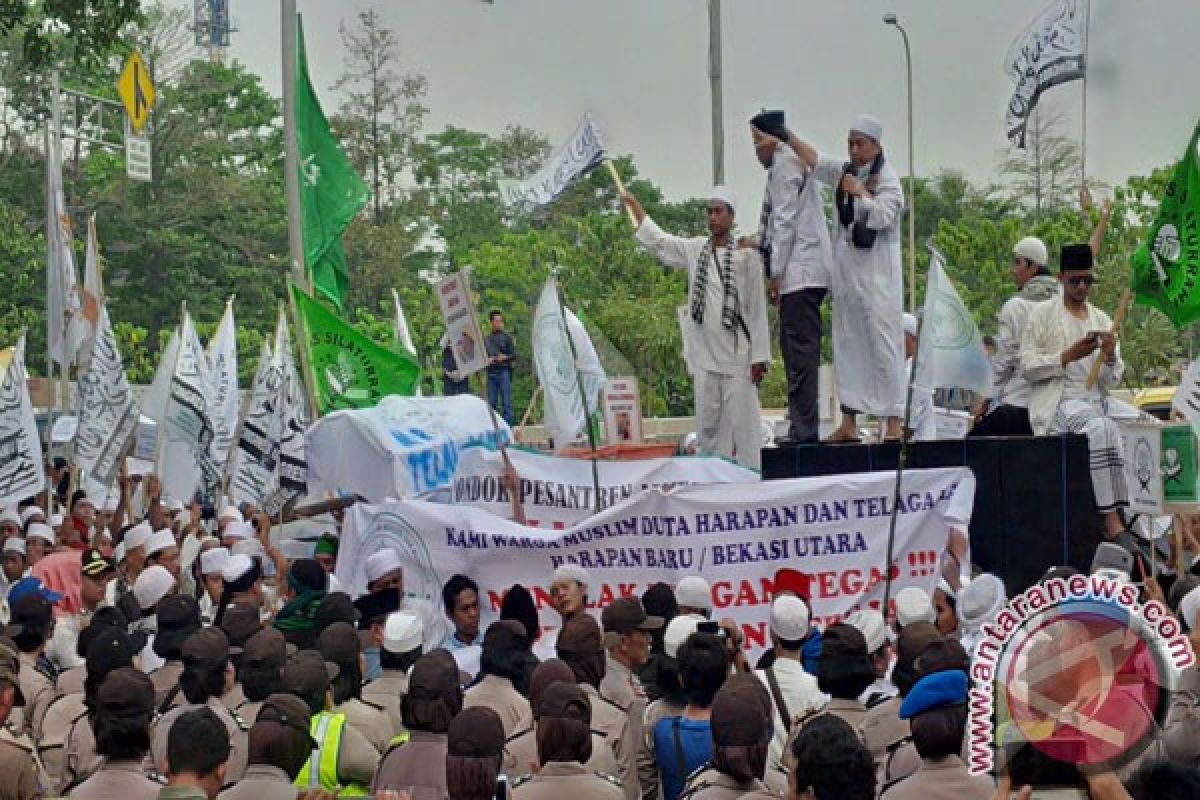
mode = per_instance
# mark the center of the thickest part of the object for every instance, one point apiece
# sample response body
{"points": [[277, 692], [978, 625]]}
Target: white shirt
{"points": [[1011, 387], [800, 694], [711, 346], [801, 254]]}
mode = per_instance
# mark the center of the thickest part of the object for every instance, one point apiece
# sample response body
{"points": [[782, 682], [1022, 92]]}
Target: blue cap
{"points": [[32, 585], [935, 690]]}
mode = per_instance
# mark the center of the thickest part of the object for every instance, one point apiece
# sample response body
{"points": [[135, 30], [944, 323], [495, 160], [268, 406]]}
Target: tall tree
{"points": [[1044, 177]]}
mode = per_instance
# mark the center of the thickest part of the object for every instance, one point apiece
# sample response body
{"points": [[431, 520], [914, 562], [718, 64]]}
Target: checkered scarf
{"points": [[730, 303]]}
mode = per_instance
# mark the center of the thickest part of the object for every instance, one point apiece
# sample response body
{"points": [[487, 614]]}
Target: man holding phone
{"points": [[1062, 340]]}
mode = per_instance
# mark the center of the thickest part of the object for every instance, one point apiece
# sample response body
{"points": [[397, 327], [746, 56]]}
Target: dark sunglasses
{"points": [[1081, 280]]}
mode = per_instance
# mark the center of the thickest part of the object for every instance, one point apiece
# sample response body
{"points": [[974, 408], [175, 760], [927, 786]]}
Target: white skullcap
{"points": [[910, 324], [152, 586], [39, 530], [382, 562], [56, 520], [980, 601], [1032, 249], [235, 567], [213, 561], [119, 553], [30, 512], [9, 515], [677, 632], [570, 572], [159, 541], [237, 529], [871, 625], [789, 618], [944, 586], [725, 195], [1189, 606], [694, 592], [136, 536], [247, 547], [913, 605], [14, 544], [230, 512], [402, 632], [868, 126]]}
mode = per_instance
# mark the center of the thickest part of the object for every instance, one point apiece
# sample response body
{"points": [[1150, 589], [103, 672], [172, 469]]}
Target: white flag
{"points": [[62, 282], [582, 151], [1049, 52], [154, 399], [559, 373], [402, 334], [105, 408], [951, 350], [295, 419], [22, 473], [223, 364], [254, 459], [189, 427], [86, 323]]}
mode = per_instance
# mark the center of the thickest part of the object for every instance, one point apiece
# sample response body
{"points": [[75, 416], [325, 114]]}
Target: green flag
{"points": [[350, 370], [331, 191], [1166, 268]]}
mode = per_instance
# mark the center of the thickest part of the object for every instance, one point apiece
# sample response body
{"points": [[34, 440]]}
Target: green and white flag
{"points": [[950, 353], [560, 372], [1166, 268], [331, 191], [349, 369]]}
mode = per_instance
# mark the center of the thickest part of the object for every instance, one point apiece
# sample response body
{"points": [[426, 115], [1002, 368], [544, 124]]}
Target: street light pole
{"points": [[890, 18], [714, 81]]}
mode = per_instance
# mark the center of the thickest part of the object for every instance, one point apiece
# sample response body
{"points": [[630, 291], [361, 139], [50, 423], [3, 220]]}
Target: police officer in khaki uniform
{"points": [[260, 674], [627, 637], [32, 623], [281, 730], [418, 758], [502, 664], [124, 709], [671, 704], [178, 618], [19, 779], [886, 735], [581, 646], [564, 743], [339, 644], [520, 751], [400, 649], [741, 732]]}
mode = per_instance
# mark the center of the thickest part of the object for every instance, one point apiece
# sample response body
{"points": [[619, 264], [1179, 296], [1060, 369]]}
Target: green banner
{"points": [[350, 370], [1179, 464], [1166, 268]]}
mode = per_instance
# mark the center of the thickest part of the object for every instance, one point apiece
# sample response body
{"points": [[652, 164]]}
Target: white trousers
{"points": [[1095, 418], [728, 422]]}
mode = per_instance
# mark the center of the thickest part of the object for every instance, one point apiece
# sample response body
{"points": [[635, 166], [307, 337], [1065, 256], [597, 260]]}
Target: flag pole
{"points": [[306, 373], [1087, 20], [616, 176], [1118, 320], [291, 148], [587, 413]]}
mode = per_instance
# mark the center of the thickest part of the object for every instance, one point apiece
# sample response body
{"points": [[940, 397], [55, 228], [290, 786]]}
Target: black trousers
{"points": [[1004, 421], [800, 343]]}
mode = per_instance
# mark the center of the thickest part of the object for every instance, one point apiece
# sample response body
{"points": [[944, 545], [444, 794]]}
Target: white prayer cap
{"points": [[677, 632], [56, 520], [136, 536], [213, 561], [152, 586], [159, 541], [237, 529], [230, 512], [236, 567], [571, 572], [725, 195], [1189, 606], [14, 544], [247, 547], [913, 605], [402, 632], [868, 126], [910, 324], [382, 562], [30, 512], [38, 530], [10, 515], [980, 601], [1032, 249], [871, 625], [694, 592], [789, 618]]}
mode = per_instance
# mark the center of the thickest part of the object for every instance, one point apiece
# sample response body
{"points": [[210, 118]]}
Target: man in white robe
{"points": [[728, 343], [1063, 337], [867, 284]]}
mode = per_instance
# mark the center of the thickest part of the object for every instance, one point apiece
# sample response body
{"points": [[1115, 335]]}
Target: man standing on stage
{"points": [[867, 281], [726, 327], [794, 244], [1062, 340], [501, 352]]}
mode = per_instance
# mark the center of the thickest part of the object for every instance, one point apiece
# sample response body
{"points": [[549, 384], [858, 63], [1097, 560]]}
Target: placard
{"points": [[622, 411]]}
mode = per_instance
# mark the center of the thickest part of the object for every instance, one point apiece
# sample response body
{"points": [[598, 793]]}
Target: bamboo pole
{"points": [[1117, 321], [620, 184]]}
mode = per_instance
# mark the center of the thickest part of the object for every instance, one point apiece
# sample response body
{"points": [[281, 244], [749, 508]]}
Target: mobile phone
{"points": [[708, 626], [501, 787]]}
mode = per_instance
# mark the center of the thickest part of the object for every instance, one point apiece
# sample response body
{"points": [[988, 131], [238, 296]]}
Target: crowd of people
{"points": [[178, 657]]}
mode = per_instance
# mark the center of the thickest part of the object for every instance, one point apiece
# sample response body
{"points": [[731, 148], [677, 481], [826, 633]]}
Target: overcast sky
{"points": [[641, 67]]}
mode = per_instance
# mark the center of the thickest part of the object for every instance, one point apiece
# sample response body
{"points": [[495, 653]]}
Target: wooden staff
{"points": [[1118, 320], [616, 176]]}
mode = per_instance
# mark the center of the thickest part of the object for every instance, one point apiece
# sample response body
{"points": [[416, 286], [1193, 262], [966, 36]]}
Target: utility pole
{"points": [[291, 149], [714, 81]]}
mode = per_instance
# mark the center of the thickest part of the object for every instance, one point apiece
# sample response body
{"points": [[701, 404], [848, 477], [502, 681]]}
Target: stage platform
{"points": [[1033, 495]]}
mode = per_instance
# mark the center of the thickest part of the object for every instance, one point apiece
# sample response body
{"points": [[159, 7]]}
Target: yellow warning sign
{"points": [[136, 91]]}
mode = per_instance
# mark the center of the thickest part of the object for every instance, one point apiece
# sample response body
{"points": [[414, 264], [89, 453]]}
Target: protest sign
{"points": [[462, 326], [736, 536], [556, 492], [622, 411]]}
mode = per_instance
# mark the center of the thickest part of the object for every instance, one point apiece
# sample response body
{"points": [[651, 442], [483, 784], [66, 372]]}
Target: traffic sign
{"points": [[137, 158], [136, 90]]}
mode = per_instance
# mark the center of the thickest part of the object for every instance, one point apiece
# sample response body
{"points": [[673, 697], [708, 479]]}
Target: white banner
{"points": [[581, 152], [401, 447], [223, 367], [1049, 52], [255, 455], [188, 457], [556, 492], [292, 476], [951, 350], [560, 371], [22, 473], [108, 415], [462, 326], [736, 536]]}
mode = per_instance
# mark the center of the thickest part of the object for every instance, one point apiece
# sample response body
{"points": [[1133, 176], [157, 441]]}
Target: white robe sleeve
{"points": [[883, 210], [828, 171], [1110, 376], [671, 251], [1006, 361], [754, 308]]}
